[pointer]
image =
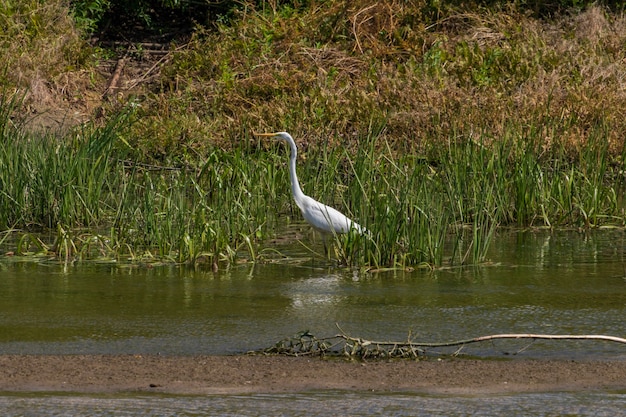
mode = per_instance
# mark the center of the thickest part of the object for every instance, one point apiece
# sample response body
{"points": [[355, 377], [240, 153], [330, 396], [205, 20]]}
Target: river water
{"points": [[607, 404], [535, 282]]}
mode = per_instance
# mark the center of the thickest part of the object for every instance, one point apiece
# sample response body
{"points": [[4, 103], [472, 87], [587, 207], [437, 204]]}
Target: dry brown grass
{"points": [[329, 74], [333, 72], [45, 58]]}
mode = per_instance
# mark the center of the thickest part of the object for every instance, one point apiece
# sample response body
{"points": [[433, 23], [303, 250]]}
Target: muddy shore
{"points": [[263, 374]]}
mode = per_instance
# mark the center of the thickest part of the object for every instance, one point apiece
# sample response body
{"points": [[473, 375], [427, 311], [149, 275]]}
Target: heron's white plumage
{"points": [[322, 217], [326, 219]]}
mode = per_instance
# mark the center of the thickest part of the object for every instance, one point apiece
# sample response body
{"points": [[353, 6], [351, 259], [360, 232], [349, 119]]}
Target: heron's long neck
{"points": [[295, 185]]}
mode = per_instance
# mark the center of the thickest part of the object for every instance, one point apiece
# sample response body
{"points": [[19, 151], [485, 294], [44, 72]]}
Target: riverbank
{"points": [[271, 374], [432, 126]]}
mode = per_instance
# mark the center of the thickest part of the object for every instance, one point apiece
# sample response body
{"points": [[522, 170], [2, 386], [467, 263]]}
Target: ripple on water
{"points": [[597, 404]]}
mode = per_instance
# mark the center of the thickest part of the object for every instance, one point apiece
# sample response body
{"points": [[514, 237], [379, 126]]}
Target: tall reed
{"points": [[47, 180], [445, 206], [442, 207], [96, 200]]}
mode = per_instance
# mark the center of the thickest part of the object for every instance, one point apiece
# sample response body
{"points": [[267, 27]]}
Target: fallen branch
{"points": [[157, 64], [115, 78], [528, 336], [343, 335], [305, 344]]}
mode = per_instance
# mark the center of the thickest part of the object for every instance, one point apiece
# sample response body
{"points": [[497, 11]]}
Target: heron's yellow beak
{"points": [[265, 135]]}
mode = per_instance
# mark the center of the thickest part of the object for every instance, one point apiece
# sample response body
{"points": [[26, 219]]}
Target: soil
{"points": [[271, 374]]}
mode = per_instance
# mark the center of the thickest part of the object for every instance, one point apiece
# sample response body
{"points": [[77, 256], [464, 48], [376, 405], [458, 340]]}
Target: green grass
{"points": [[430, 125], [438, 209], [445, 207], [97, 202]]}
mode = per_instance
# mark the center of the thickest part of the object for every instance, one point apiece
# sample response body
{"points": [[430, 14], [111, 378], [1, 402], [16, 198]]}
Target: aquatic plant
{"points": [[442, 206], [100, 203], [95, 198], [445, 207]]}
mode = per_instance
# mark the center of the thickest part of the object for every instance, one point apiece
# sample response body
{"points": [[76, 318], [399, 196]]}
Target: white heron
{"points": [[323, 218]]}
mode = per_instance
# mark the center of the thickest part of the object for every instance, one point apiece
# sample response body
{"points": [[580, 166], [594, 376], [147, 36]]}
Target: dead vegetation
{"points": [[330, 73], [45, 62], [343, 344]]}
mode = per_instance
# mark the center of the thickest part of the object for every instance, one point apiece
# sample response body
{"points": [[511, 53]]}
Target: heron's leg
{"points": [[326, 248]]}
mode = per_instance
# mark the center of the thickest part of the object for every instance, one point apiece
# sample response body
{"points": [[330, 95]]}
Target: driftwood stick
{"points": [[539, 336], [534, 336], [305, 343]]}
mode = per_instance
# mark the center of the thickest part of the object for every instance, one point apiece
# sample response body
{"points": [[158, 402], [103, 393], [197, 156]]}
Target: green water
{"points": [[536, 282]]}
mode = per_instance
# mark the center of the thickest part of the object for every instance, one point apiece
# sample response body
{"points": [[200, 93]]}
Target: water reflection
{"points": [[322, 291], [537, 282]]}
